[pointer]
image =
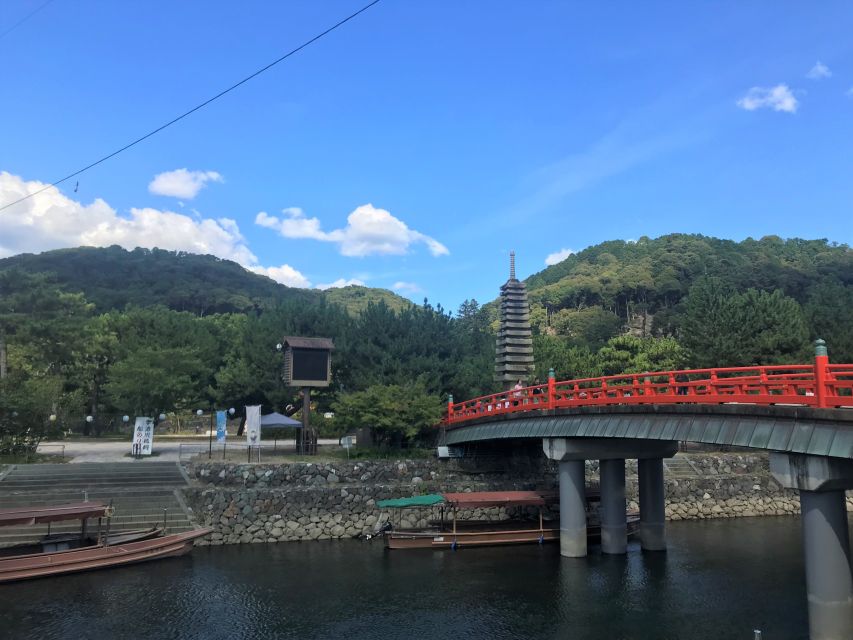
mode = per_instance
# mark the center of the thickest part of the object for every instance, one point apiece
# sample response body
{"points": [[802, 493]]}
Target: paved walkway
{"points": [[170, 449]]}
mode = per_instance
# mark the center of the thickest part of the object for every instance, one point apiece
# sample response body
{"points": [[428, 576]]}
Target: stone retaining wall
{"points": [[247, 503]]}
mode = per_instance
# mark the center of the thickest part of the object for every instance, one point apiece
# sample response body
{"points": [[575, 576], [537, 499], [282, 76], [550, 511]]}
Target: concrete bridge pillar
{"points": [[652, 509], [826, 539], [612, 452], [572, 496], [572, 509], [614, 527]]}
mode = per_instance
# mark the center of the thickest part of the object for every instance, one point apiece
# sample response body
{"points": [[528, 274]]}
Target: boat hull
{"points": [[63, 543], [480, 537], [52, 564]]}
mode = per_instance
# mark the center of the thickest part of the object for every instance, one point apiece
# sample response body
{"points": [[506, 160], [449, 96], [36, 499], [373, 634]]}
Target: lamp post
{"points": [[200, 413], [231, 413]]}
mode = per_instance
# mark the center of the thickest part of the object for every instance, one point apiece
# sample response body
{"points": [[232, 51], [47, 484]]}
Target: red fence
{"points": [[819, 385]]}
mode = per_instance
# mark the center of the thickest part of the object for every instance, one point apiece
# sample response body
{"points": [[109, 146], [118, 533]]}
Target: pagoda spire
{"points": [[514, 347]]}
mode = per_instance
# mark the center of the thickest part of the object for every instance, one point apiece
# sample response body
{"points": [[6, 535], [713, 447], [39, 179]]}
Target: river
{"points": [[719, 579]]}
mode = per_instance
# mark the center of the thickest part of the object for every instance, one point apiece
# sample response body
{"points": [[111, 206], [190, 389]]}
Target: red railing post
{"points": [[450, 407], [552, 388], [821, 360]]}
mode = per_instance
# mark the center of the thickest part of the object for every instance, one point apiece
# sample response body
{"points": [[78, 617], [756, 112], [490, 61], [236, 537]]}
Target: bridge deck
{"points": [[826, 432]]}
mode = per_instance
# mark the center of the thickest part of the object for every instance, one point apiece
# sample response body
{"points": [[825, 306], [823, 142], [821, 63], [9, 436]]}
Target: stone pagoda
{"points": [[514, 352]]}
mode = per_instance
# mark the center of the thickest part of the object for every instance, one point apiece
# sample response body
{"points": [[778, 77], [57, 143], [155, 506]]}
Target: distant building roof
{"points": [[309, 343]]}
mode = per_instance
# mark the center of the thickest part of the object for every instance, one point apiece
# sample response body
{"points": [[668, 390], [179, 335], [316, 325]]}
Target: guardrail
{"points": [[821, 385]]}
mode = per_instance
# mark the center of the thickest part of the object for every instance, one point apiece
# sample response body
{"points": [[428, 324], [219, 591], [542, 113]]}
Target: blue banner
{"points": [[220, 426]]}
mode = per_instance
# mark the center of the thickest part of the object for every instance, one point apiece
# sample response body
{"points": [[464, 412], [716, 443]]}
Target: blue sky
{"points": [[417, 145]]}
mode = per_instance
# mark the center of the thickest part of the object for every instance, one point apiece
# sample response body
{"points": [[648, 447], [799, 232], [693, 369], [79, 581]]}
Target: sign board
{"points": [[221, 433], [307, 361], [348, 442], [253, 425], [143, 437]]}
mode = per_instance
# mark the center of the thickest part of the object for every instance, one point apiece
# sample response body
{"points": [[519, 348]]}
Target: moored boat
{"points": [[52, 564], [455, 532], [67, 553], [55, 542]]}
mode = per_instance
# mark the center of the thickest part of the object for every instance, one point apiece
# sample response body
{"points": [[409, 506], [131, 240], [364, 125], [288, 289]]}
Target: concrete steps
{"points": [[680, 466], [139, 494]]}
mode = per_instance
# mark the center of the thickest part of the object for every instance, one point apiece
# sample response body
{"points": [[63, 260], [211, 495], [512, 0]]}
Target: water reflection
{"points": [[718, 579]]}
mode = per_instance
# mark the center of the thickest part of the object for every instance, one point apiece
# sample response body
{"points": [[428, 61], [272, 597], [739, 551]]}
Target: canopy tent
{"points": [[480, 499], [414, 501], [44, 515], [472, 500], [278, 420]]}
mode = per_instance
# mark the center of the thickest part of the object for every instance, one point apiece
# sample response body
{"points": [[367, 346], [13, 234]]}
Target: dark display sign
{"points": [[311, 364], [307, 361]]}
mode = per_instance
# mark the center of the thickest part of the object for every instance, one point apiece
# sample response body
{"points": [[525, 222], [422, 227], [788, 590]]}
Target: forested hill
{"points": [[657, 273], [662, 287], [113, 278]]}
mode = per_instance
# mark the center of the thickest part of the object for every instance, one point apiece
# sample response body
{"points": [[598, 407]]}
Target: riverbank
{"points": [[254, 503], [248, 503]]}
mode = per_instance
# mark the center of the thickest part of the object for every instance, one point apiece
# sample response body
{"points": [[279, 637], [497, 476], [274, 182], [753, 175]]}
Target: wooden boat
{"points": [[118, 549], [470, 533], [54, 542], [57, 542], [52, 564]]}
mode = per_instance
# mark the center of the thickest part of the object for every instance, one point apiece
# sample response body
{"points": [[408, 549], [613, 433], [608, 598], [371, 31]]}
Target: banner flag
{"points": [[253, 425], [221, 433]]}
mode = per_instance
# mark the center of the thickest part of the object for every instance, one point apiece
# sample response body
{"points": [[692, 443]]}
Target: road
{"points": [[169, 449]]}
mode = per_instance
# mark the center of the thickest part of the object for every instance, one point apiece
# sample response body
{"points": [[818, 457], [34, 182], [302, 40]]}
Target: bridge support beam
{"points": [[572, 509], [652, 509], [614, 527], [826, 538]]}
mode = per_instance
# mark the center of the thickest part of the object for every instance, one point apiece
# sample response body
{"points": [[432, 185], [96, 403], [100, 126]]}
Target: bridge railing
{"points": [[818, 385]]}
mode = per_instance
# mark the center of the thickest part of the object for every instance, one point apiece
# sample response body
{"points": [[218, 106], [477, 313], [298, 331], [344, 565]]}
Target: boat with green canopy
{"points": [[414, 501], [455, 533]]}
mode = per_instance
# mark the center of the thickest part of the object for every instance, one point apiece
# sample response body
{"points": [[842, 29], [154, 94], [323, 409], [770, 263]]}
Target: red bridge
{"points": [[818, 385], [799, 413]]}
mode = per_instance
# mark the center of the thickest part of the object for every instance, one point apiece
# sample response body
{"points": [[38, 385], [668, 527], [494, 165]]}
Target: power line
{"points": [[3, 34], [195, 108]]}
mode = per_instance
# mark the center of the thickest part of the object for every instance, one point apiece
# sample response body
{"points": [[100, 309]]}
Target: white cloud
{"points": [[50, 220], [295, 225], [182, 183], [558, 256], [406, 287], [285, 274], [369, 231], [778, 98], [340, 282], [819, 71]]}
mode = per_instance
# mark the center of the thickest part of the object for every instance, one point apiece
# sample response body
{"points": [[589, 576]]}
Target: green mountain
{"points": [[355, 299], [113, 278], [660, 287]]}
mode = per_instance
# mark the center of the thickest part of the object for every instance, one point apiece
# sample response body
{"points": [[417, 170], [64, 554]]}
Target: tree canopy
{"points": [[106, 331]]}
